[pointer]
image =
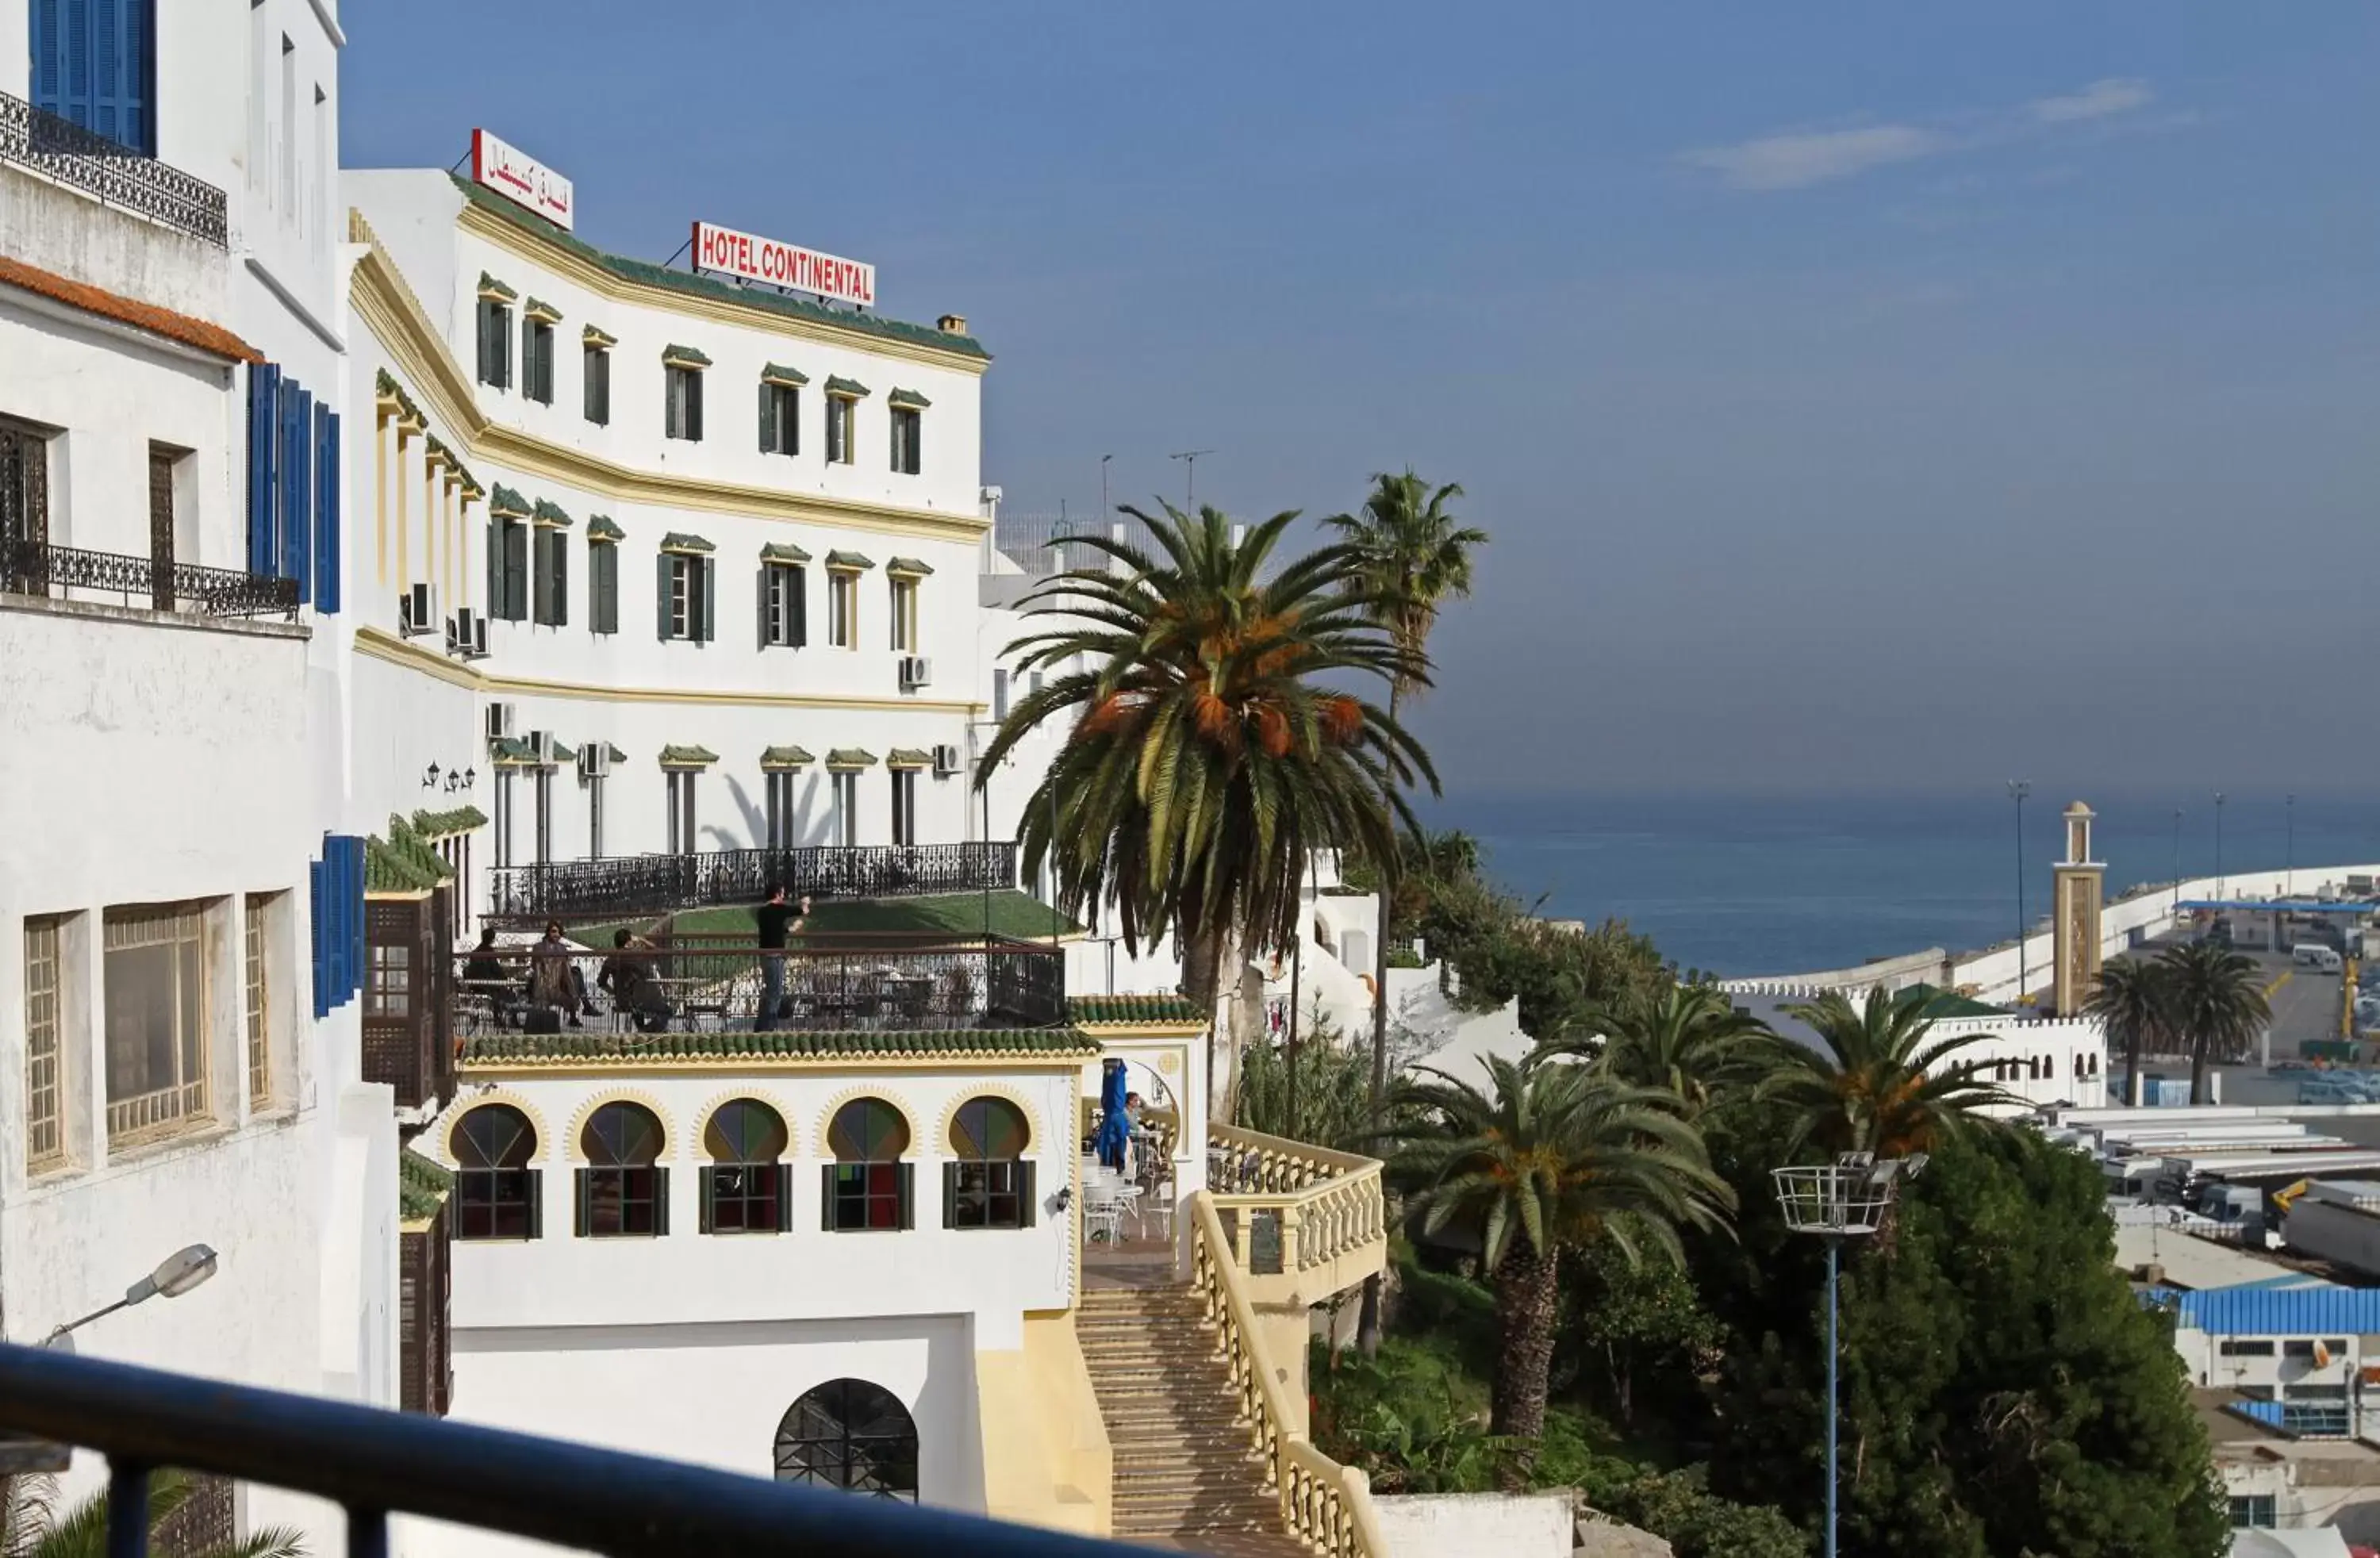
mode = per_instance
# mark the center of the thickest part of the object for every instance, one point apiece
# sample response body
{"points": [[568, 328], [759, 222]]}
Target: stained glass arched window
{"points": [[867, 1186], [744, 1188], [496, 1192], [852, 1435], [622, 1193], [988, 1182]]}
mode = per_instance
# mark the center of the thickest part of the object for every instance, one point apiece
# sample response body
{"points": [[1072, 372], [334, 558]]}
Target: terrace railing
{"points": [[710, 984], [651, 885], [375, 1463], [65, 573], [1303, 1221], [61, 149]]}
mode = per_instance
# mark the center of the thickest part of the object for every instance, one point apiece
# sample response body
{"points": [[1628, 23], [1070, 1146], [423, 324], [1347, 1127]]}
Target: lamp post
{"points": [[175, 1275], [2177, 868], [2018, 789], [1844, 1199], [2289, 846], [2221, 885]]}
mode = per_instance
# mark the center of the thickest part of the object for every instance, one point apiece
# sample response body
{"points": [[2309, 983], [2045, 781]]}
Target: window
{"points": [[904, 614], [497, 1194], [781, 807], [846, 806], [595, 816], [784, 619], [843, 609], [595, 373], [2297, 1349], [907, 429], [904, 806], [504, 818], [552, 556], [622, 1193], [97, 65], [842, 414], [851, 1435], [24, 485], [867, 1186], [2247, 1349], [780, 420], [495, 343], [682, 403], [2316, 1420], [603, 586], [259, 1007], [745, 1189], [680, 809], [508, 560], [289, 129], [687, 597], [388, 981], [45, 1141], [537, 358], [998, 696], [990, 1184], [156, 992], [2253, 1511], [541, 790]]}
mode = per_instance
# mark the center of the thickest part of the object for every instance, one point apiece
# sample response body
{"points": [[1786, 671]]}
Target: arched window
{"points": [[867, 1186], [621, 1194], [852, 1435], [497, 1194], [744, 1188], [990, 1184]]}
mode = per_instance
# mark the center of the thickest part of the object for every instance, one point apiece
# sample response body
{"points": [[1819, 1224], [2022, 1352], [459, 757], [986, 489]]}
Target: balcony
{"points": [[706, 985], [1304, 1223], [65, 152], [65, 573], [634, 886]]}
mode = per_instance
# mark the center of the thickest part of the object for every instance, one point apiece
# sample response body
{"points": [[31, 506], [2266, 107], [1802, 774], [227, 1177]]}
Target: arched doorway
{"points": [[851, 1435]]}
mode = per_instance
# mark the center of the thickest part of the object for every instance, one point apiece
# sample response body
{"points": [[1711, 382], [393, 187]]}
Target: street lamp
{"points": [[2177, 868], [2289, 848], [175, 1275], [1844, 1199], [2018, 790], [2220, 885]]}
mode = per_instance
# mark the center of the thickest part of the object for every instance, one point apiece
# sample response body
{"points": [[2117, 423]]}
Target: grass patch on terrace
{"points": [[1014, 914]]}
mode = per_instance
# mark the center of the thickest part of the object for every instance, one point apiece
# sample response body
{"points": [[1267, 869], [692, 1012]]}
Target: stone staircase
{"points": [[1184, 1475]]}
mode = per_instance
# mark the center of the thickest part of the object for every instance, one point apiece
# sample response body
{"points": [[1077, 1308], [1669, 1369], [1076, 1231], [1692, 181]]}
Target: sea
{"points": [[1742, 885]]}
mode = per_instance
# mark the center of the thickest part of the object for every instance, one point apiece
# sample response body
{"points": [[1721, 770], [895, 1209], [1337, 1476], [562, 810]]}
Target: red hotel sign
{"points": [[521, 178], [782, 265]]}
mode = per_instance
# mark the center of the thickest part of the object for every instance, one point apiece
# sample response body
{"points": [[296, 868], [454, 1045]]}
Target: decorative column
{"points": [[407, 428], [2080, 888], [435, 464]]}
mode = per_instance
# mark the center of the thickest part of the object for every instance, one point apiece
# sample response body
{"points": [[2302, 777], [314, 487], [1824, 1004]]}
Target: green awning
{"points": [[786, 757], [783, 552], [679, 541], [852, 387], [551, 514], [436, 825], [601, 527], [617, 755], [908, 400], [909, 566], [508, 749], [421, 1188], [402, 864], [684, 357], [565, 754], [851, 756], [505, 503], [908, 757], [540, 310], [687, 757], [595, 337], [778, 373], [491, 287], [851, 560]]}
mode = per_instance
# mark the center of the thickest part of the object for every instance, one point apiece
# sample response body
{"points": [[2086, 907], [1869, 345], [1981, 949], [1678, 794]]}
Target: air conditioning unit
{"points": [[417, 611], [475, 641], [595, 758], [946, 759], [541, 747], [500, 722], [917, 671]]}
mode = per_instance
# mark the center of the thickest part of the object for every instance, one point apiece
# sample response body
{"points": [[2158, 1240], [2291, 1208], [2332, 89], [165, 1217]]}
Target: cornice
{"points": [[583, 1068]]}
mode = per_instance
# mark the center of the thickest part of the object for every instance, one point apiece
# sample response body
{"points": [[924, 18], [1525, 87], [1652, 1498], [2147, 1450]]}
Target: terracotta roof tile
{"points": [[191, 331]]}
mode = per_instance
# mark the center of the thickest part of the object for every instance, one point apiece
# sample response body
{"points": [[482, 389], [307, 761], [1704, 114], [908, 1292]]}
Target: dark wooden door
{"points": [[24, 507], [160, 529]]}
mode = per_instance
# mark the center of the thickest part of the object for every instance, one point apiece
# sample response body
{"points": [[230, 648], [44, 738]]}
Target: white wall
{"points": [[1477, 1525]]}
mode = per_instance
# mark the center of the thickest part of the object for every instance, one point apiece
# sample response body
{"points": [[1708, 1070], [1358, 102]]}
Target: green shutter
{"points": [[537, 1203], [708, 628], [663, 575], [578, 1220], [826, 1198], [908, 1196], [543, 544], [784, 1172], [660, 1202], [495, 567], [515, 570], [800, 585], [1027, 1200], [561, 580], [768, 441], [708, 1220], [603, 587], [949, 1195]]}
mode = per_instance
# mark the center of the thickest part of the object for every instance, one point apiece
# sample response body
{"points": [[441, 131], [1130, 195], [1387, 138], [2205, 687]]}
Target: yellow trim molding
{"points": [[1033, 1132], [701, 1121], [670, 1144], [446, 1142], [918, 1146]]}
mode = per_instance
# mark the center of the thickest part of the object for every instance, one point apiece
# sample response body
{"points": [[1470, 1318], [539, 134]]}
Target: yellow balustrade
{"points": [[1329, 1204], [1323, 1505]]}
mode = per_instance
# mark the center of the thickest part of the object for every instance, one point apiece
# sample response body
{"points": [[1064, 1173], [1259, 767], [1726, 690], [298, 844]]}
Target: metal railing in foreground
{"points": [[60, 149], [629, 885], [375, 1463], [30, 568]]}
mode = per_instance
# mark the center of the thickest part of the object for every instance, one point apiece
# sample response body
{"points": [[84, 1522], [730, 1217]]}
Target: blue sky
{"points": [[1861, 396]]}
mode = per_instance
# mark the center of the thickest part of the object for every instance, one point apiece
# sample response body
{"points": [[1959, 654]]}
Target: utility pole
{"points": [[2018, 789], [2221, 885], [1189, 457], [2290, 850], [1104, 509]]}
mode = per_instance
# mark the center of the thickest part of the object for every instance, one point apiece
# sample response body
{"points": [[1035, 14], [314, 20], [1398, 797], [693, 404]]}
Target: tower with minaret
{"points": [[2081, 884]]}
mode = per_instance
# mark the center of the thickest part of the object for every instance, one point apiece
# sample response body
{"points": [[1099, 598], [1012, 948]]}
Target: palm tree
{"points": [[31, 1527], [1555, 1154], [1412, 558], [1209, 756], [2132, 1000], [1689, 1039], [1883, 1084], [2216, 1001]]}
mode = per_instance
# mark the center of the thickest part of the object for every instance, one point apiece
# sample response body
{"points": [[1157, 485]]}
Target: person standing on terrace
{"points": [[775, 922]]}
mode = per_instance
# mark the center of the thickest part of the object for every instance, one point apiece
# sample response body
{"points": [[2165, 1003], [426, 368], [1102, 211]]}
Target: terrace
{"points": [[629, 886]]}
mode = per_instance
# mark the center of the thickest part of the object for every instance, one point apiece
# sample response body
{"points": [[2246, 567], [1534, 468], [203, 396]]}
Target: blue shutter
{"points": [[329, 545], [334, 935], [262, 379], [316, 870], [51, 19], [284, 459], [94, 62], [354, 911], [301, 491]]}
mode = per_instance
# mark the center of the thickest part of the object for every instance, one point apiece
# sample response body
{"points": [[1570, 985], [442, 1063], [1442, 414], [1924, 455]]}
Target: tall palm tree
{"points": [[30, 1526], [1553, 1154], [2132, 1000], [1412, 558], [1214, 742], [2216, 999], [1689, 1039], [1883, 1084]]}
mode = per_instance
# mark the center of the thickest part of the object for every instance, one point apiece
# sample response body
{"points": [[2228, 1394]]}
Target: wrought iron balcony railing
{"points": [[31, 568], [375, 1463], [64, 151], [715, 984], [642, 884]]}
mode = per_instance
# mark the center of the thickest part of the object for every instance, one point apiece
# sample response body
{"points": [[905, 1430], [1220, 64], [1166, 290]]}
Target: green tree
{"points": [[1562, 976], [1640, 1320], [1332, 1095], [1215, 746], [1883, 1084], [1688, 1039], [1554, 1155], [2216, 1001], [2133, 1001], [34, 1528], [1411, 558]]}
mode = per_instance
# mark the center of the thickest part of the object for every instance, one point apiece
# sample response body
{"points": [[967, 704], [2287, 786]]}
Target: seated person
{"points": [[486, 964], [629, 975], [554, 977]]}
